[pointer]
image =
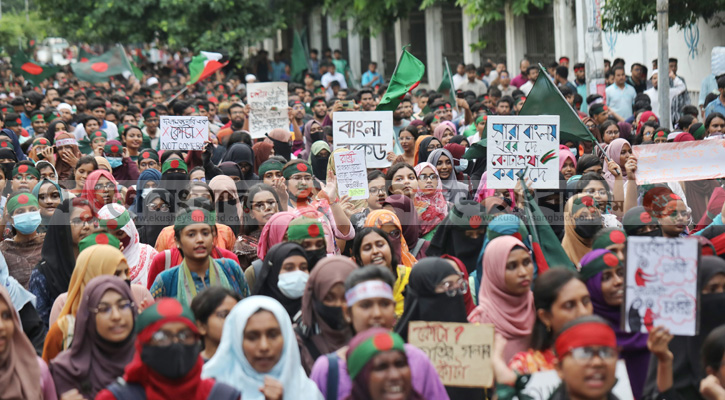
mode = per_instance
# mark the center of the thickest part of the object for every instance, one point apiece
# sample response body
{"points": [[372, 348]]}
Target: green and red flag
{"points": [[299, 59], [205, 65], [447, 84], [30, 70], [406, 77], [84, 56], [103, 67]]}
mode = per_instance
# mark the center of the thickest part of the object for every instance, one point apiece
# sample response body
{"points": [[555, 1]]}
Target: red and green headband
{"points": [[21, 200], [149, 155], [304, 228], [116, 223], [193, 216], [296, 168], [99, 238], [371, 347], [37, 117], [25, 169], [587, 333], [174, 164]]}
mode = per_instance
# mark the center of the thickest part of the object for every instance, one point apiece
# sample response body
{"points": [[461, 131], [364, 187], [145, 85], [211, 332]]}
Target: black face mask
{"points": [[315, 256], [172, 362], [331, 315], [317, 136], [175, 176], [655, 233], [587, 227]]}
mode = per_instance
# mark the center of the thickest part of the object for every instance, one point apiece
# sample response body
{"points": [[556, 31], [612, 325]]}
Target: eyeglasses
{"points": [[432, 147], [80, 221], [107, 186], [105, 309], [584, 354], [451, 289], [163, 338], [25, 178], [593, 192], [431, 177], [263, 205], [163, 207], [198, 180], [375, 190]]}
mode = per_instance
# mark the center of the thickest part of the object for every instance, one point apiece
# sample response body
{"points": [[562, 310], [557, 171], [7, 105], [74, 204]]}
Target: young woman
{"points": [[262, 152], [100, 189], [407, 138], [47, 171], [125, 170], [211, 308], [675, 218], [103, 342], [389, 223], [452, 189], [309, 233], [147, 180], [323, 328], [98, 142], [148, 158], [567, 162], [715, 124], [612, 239], [156, 214], [242, 155], [67, 155], [444, 132], [24, 176], [265, 363], [24, 375], [461, 234], [319, 157], [283, 276], [167, 362], [23, 250], [639, 222], [582, 220], [610, 131], [49, 195], [132, 137], [369, 300], [402, 179], [228, 206], [274, 232], [483, 192], [619, 151], [373, 246], [262, 203], [595, 186], [377, 193], [430, 203], [83, 168]]}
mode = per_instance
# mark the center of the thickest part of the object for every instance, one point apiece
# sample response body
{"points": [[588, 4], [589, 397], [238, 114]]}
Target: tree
{"points": [[370, 15], [635, 15], [486, 11], [15, 29]]}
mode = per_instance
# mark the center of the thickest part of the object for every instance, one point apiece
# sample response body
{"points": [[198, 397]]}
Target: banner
{"points": [[368, 131], [542, 384], [661, 285], [269, 107], [523, 143], [352, 175], [684, 161], [183, 133], [460, 351]]}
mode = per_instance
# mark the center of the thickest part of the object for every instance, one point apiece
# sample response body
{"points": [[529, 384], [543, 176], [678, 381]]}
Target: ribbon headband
{"points": [[585, 334], [66, 142], [368, 290]]}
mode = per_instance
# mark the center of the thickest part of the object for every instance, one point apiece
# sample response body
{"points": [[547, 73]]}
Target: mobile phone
{"points": [[348, 104]]}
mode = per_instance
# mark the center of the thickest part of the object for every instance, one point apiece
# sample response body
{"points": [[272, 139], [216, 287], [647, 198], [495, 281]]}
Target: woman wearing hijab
{"points": [[604, 277], [260, 365], [242, 155], [148, 180], [280, 139], [228, 206], [23, 375], [619, 151], [312, 133], [444, 132], [100, 189], [404, 209], [262, 152], [117, 220], [461, 269], [461, 234], [319, 158], [49, 195], [426, 146], [164, 368], [283, 276], [567, 162], [323, 328], [505, 299], [156, 214], [67, 155], [452, 189], [430, 203], [388, 222], [483, 192], [582, 220], [24, 302], [104, 338], [274, 231], [23, 250]]}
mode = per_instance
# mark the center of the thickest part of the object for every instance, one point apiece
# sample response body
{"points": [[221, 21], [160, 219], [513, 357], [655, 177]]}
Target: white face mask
{"points": [[292, 284], [462, 165], [145, 192]]}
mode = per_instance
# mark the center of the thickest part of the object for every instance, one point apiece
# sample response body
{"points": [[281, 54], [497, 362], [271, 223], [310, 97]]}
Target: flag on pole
{"points": [[205, 65], [406, 77], [447, 84], [30, 70], [299, 59], [101, 68]]}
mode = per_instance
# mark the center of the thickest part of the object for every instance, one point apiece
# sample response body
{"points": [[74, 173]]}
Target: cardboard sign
{"points": [[460, 351], [523, 143], [685, 161], [542, 384], [368, 131], [269, 107], [661, 285], [183, 133], [352, 175]]}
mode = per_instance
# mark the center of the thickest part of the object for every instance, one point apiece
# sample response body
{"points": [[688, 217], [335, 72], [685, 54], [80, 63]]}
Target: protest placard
{"points": [[268, 107], [684, 161], [352, 176], [661, 285], [459, 351], [183, 133], [369, 131], [542, 384], [523, 143]]}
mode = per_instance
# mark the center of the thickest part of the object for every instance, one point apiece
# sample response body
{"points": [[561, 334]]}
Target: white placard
{"points": [[268, 105], [183, 133], [368, 131], [352, 175], [683, 161], [516, 143], [661, 285], [542, 384]]}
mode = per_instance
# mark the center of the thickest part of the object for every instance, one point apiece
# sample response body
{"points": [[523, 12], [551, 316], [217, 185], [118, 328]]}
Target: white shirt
{"points": [[111, 131], [327, 79], [675, 90], [458, 79], [526, 87]]}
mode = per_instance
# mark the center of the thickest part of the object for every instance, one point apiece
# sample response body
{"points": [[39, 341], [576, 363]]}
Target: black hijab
{"points": [[150, 223], [266, 282], [319, 166], [281, 148], [239, 153], [423, 152], [450, 238]]}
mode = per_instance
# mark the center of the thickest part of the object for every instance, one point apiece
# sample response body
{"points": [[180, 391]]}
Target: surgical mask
{"points": [[115, 162], [292, 284], [173, 361], [587, 227], [27, 223], [145, 192], [462, 165], [573, 150]]}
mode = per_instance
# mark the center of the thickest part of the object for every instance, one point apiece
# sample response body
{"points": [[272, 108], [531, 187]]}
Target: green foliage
{"points": [[635, 15], [370, 15], [14, 26]]}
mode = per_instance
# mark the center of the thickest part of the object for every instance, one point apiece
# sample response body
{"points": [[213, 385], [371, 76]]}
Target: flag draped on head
{"points": [[299, 59], [101, 68], [205, 65], [406, 77], [30, 70]]}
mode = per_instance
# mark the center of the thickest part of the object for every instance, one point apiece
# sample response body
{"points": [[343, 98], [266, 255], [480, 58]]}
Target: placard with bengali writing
{"points": [[675, 162], [523, 143], [368, 131], [661, 285], [460, 351], [352, 176], [183, 133], [268, 105]]}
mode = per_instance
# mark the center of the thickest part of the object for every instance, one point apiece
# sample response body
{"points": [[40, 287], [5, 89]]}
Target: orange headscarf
{"points": [[417, 146], [378, 218]]}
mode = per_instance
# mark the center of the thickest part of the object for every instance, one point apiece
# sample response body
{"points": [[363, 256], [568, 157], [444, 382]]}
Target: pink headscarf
{"points": [[564, 154], [483, 193], [613, 151], [441, 128], [274, 231], [513, 316]]}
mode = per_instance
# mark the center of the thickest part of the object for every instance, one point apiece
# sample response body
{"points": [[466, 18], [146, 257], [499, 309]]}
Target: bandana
{"points": [[112, 149], [6, 145], [589, 332], [368, 290], [597, 261], [116, 223], [53, 115], [10, 123], [304, 228], [269, 165], [699, 133], [41, 141], [165, 310], [174, 164], [295, 168], [584, 202], [150, 113], [25, 169], [66, 142], [597, 109], [193, 216], [149, 154], [37, 117], [99, 238], [365, 351], [660, 134], [98, 134], [21, 200], [608, 237]]}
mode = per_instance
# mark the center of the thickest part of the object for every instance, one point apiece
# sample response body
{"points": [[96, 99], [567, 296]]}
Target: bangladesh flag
{"points": [[447, 84], [101, 68], [299, 59], [205, 65], [84, 56], [545, 99], [406, 77], [30, 70]]}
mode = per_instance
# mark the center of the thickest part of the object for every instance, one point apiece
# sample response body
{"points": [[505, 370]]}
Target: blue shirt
{"points": [[715, 106], [621, 100], [166, 283], [374, 78]]}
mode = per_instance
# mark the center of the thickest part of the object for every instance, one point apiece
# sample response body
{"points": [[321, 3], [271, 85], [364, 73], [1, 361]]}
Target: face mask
{"points": [[573, 150], [317, 136], [146, 192], [115, 162], [587, 227], [462, 165], [315, 256], [27, 223], [173, 361], [655, 233], [175, 176], [331, 315], [292, 284]]}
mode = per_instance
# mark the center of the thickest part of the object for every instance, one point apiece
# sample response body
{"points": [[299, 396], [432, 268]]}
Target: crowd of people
{"points": [[128, 272]]}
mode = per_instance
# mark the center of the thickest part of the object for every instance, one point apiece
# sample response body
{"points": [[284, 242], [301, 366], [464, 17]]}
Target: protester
{"points": [[211, 308]]}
